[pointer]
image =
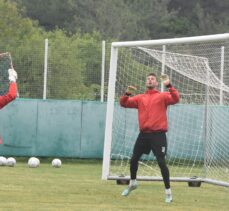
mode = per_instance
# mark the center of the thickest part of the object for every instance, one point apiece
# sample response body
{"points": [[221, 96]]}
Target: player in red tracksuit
{"points": [[153, 125], [12, 93]]}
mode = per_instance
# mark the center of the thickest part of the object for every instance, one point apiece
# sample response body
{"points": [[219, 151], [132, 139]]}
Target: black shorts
{"points": [[155, 141]]}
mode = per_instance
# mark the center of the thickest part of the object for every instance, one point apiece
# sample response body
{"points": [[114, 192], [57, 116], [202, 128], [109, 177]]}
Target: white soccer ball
{"points": [[33, 162], [11, 162], [3, 161], [38, 161], [56, 163]]}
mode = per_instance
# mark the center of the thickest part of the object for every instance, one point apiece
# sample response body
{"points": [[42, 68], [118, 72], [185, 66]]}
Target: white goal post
{"points": [[198, 135]]}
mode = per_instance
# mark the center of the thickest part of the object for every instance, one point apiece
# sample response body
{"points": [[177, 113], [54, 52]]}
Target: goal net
{"points": [[5, 64], [198, 134]]}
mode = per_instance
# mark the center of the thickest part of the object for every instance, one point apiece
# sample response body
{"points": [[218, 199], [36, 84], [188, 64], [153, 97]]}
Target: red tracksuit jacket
{"points": [[10, 96], [152, 106]]}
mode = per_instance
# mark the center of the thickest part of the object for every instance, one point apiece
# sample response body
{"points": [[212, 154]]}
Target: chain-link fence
{"points": [[57, 69]]}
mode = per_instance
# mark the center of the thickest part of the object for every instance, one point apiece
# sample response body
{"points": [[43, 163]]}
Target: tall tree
{"points": [[131, 19], [110, 18], [203, 17]]}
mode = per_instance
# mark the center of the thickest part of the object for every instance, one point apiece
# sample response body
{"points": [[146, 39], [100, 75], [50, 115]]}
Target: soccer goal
{"points": [[198, 136]]}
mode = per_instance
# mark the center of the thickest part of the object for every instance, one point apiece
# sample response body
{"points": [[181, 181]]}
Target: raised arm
{"points": [[12, 93], [172, 97], [127, 101]]}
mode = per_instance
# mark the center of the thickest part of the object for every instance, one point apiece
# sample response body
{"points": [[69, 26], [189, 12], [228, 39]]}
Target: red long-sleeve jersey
{"points": [[10, 96], [152, 106]]}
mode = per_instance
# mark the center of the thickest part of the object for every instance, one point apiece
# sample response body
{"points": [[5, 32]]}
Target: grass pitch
{"points": [[77, 185]]}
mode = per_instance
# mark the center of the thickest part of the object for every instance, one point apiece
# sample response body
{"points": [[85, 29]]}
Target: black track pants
{"points": [[144, 144]]}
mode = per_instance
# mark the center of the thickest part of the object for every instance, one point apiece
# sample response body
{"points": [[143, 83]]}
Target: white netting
{"points": [[198, 137], [5, 64], [73, 68]]}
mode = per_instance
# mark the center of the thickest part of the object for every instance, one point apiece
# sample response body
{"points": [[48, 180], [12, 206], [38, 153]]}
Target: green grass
{"points": [[77, 185]]}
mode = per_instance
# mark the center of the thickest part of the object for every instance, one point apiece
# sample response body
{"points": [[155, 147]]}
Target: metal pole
{"points": [[103, 71], [206, 129], [109, 113], [45, 70], [163, 65], [221, 75]]}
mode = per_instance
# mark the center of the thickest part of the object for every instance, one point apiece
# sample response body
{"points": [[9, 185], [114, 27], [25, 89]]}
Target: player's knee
{"points": [[161, 162], [134, 161]]}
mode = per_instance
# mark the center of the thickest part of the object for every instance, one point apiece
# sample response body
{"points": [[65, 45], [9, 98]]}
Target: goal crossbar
{"points": [[182, 40]]}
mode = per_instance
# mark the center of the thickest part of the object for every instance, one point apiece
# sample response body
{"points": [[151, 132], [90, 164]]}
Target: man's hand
{"points": [[165, 79], [130, 90], [12, 75]]}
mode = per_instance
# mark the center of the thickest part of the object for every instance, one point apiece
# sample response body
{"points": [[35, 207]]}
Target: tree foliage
{"points": [[131, 19], [71, 58]]}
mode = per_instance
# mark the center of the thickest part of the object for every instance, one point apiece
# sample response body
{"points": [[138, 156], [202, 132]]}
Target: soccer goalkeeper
{"points": [[12, 93], [152, 106]]}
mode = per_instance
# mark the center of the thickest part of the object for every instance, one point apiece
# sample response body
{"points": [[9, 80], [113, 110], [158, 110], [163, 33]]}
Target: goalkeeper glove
{"points": [[165, 80], [130, 90], [12, 75]]}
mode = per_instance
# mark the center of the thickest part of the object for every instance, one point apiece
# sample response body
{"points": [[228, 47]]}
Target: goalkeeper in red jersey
{"points": [[12, 92], [153, 125]]}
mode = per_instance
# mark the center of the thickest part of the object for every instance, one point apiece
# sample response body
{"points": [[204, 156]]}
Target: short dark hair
{"points": [[152, 74]]}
